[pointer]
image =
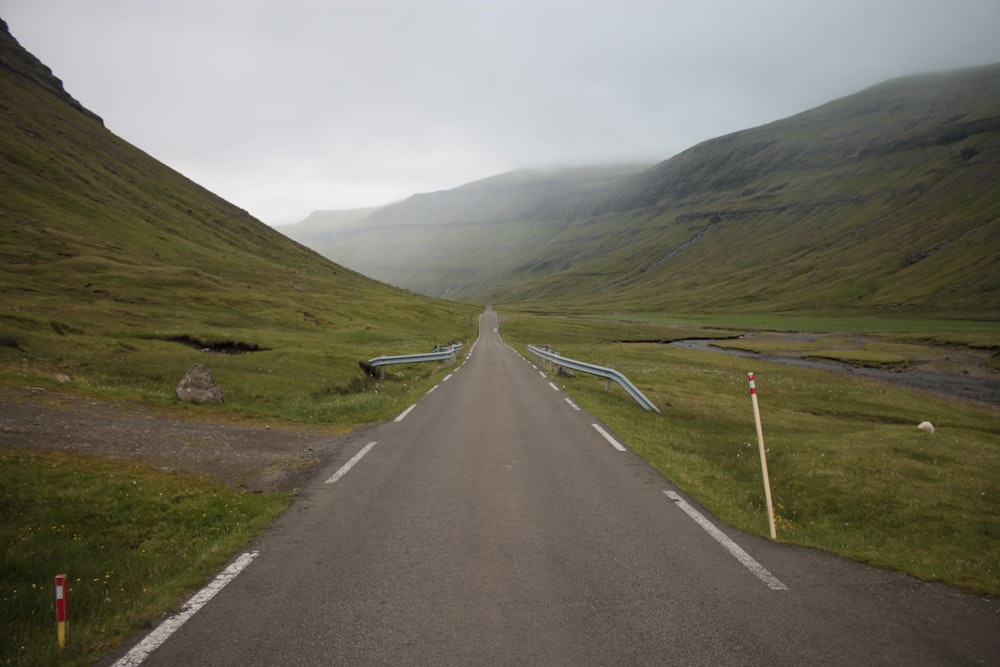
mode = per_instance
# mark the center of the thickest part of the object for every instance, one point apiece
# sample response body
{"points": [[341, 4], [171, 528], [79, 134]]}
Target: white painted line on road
{"points": [[607, 436], [168, 627], [402, 415], [553, 385], [738, 553], [572, 404], [532, 365], [542, 373], [447, 377], [433, 388], [350, 464]]}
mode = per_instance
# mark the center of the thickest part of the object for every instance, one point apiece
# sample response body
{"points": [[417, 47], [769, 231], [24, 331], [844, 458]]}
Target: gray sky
{"points": [[284, 107]]}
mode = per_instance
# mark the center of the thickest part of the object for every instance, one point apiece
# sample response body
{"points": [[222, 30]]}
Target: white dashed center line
{"points": [[350, 464]]}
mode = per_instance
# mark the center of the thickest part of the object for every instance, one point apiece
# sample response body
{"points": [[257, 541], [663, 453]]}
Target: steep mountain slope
{"points": [[886, 199], [109, 259]]}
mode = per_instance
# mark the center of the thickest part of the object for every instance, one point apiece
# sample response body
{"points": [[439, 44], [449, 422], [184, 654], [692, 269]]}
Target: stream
{"points": [[962, 387]]}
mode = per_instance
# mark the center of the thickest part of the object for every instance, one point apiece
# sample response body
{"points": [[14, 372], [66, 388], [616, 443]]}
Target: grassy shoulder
{"points": [[303, 370], [850, 471], [132, 541]]}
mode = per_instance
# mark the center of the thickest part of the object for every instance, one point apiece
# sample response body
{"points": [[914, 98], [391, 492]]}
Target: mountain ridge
{"points": [[884, 199], [25, 65]]}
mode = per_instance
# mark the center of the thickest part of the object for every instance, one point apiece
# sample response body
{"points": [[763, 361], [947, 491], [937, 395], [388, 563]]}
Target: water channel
{"points": [[963, 387]]}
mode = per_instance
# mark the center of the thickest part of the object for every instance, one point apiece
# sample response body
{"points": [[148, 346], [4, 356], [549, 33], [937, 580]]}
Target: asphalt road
{"points": [[494, 525]]}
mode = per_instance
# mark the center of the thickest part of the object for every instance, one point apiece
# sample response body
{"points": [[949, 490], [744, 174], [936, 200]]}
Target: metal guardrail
{"points": [[601, 371], [441, 353]]}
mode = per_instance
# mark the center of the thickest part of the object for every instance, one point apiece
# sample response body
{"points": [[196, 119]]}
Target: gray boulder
{"points": [[198, 386]]}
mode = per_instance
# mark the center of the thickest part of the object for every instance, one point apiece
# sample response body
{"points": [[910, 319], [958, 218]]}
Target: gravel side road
{"points": [[256, 459]]}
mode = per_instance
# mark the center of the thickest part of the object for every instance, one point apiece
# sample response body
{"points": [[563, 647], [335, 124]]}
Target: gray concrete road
{"points": [[494, 525]]}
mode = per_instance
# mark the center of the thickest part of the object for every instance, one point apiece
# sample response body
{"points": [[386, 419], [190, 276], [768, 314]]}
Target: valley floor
{"points": [[263, 459]]}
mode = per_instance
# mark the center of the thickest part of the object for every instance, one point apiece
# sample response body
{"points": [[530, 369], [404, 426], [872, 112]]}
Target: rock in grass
{"points": [[198, 386], [926, 426]]}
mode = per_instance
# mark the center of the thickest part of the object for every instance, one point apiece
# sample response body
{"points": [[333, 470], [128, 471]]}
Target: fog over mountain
{"points": [[884, 199], [284, 108]]}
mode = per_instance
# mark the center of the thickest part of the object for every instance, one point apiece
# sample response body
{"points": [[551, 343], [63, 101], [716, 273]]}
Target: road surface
{"points": [[494, 524]]}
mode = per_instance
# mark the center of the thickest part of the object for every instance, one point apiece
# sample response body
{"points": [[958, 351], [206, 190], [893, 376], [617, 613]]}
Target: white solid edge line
{"points": [[553, 385], [738, 553], [571, 403], [344, 469], [607, 436], [155, 639], [402, 415]]}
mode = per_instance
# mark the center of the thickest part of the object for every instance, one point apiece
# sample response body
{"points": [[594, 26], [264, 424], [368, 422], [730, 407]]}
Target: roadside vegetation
{"points": [[132, 541], [302, 372], [135, 541], [851, 473]]}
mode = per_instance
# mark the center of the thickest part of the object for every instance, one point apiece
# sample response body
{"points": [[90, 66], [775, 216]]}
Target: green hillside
{"points": [[887, 199], [115, 269]]}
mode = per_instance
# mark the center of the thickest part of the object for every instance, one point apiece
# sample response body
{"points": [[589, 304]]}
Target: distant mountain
{"points": [[321, 229], [431, 243], [887, 199]]}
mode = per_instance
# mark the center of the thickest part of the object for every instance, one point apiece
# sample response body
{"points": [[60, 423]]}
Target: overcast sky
{"points": [[284, 107]]}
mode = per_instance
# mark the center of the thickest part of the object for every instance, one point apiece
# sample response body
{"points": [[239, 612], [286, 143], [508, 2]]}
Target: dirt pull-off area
{"points": [[253, 458]]}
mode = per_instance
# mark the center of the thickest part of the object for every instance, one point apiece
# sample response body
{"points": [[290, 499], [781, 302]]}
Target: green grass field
{"points": [[131, 540]]}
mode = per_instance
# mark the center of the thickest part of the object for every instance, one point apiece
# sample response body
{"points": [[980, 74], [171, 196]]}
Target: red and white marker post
{"points": [[62, 609], [763, 456]]}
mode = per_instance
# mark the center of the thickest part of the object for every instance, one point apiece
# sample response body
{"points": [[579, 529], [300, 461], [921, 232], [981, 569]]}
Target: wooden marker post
{"points": [[763, 456], [62, 609]]}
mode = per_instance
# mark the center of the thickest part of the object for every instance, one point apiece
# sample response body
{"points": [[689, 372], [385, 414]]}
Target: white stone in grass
{"points": [[926, 426]]}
